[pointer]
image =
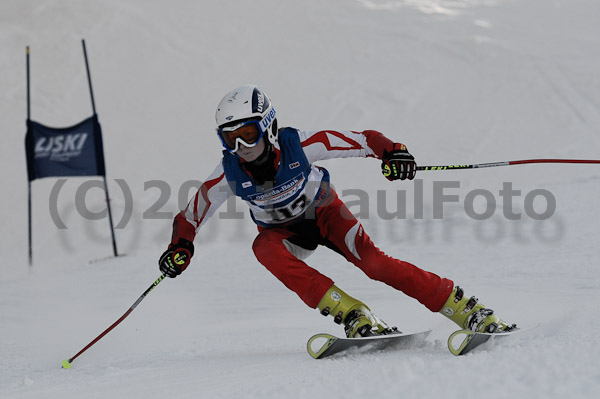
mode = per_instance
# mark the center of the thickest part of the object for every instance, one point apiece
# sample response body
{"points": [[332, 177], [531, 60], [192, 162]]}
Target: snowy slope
{"points": [[459, 81]]}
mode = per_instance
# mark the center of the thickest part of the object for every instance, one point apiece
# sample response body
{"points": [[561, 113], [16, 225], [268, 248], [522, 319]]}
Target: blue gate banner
{"points": [[70, 151]]}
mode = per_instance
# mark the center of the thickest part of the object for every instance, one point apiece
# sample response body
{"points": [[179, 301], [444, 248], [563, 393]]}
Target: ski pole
{"points": [[507, 163], [67, 363]]}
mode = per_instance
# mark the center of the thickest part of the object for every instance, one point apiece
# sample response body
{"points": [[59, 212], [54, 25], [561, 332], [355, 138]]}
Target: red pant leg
{"points": [[309, 284], [339, 226]]}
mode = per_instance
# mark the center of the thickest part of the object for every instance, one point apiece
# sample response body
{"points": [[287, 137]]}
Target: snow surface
{"points": [[458, 81]]}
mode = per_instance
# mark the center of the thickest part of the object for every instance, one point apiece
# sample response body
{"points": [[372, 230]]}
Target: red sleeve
{"points": [[379, 143], [182, 229]]}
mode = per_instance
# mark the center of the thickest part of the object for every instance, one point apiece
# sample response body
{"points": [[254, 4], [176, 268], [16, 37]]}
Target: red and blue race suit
{"points": [[299, 211]]}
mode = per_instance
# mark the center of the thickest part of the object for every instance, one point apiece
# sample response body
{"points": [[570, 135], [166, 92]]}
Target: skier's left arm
{"points": [[396, 161]]}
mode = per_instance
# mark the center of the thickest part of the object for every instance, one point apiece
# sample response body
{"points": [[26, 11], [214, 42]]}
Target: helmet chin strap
{"points": [[263, 168], [264, 156]]}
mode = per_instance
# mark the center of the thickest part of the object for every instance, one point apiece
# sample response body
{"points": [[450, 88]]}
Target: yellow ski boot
{"points": [[357, 318], [469, 314]]}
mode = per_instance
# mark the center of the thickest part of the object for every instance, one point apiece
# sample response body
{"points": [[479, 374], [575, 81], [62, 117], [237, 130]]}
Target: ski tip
{"points": [[319, 343], [458, 340], [460, 343]]}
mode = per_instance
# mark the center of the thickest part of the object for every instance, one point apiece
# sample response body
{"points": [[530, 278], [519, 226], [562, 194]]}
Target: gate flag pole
{"points": [[29, 180], [99, 142]]}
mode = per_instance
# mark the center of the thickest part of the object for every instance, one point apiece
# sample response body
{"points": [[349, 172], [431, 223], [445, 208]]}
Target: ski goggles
{"points": [[247, 133]]}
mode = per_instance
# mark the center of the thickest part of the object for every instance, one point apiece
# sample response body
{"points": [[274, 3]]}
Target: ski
{"points": [[472, 340], [324, 345]]}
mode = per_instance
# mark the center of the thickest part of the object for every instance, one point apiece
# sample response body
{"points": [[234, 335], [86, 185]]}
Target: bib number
{"points": [[291, 211]]}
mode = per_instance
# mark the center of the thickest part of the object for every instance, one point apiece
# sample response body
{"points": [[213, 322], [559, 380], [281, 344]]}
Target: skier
{"points": [[296, 210]]}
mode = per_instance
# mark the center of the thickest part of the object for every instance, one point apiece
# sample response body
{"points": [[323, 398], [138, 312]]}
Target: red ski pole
{"points": [[507, 163], [66, 364]]}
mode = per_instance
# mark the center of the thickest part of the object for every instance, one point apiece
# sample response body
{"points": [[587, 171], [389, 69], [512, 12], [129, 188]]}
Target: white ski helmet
{"points": [[246, 103]]}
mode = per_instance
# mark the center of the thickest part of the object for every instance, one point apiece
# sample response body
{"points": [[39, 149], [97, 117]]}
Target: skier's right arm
{"points": [[209, 197], [397, 162]]}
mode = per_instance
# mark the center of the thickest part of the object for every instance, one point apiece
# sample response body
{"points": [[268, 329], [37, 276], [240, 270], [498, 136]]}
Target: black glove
{"points": [[398, 164], [176, 258]]}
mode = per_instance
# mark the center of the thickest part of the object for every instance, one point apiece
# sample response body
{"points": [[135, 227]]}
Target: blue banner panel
{"points": [[70, 151]]}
